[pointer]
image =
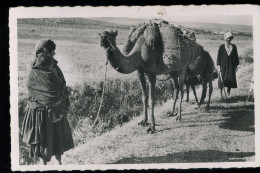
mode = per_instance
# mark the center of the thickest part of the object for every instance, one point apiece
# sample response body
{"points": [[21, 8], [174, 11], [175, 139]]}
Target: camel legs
{"points": [[187, 92], [152, 81], [204, 91], [144, 97], [181, 83], [172, 90], [195, 94], [210, 93], [176, 84]]}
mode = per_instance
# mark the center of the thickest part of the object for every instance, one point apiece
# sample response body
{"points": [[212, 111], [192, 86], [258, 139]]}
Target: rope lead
{"points": [[102, 97]]}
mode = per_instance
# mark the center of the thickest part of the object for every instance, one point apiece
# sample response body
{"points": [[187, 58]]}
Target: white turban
{"points": [[228, 35]]}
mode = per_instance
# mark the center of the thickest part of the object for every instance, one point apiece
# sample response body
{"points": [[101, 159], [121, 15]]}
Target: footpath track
{"points": [[225, 133]]}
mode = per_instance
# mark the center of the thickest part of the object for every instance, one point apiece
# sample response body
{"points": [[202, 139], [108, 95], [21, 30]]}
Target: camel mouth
{"points": [[104, 47]]}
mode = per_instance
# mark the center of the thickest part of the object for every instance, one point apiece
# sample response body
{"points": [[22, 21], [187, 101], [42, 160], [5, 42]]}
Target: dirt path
{"points": [[226, 133]]}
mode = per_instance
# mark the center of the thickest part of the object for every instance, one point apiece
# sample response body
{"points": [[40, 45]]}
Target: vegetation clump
{"points": [[122, 101]]}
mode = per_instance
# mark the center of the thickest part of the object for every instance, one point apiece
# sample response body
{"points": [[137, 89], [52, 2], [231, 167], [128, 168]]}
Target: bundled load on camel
{"points": [[178, 43]]}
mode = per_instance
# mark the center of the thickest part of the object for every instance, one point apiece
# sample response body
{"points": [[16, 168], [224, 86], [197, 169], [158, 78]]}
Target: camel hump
{"points": [[177, 43], [203, 64], [132, 37], [129, 44], [149, 29], [153, 37], [179, 51]]}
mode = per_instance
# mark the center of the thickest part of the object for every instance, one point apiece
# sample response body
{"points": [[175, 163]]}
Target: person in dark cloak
{"points": [[227, 61], [45, 126]]}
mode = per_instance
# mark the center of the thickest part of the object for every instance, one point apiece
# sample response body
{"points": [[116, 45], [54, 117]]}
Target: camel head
{"points": [[108, 39]]}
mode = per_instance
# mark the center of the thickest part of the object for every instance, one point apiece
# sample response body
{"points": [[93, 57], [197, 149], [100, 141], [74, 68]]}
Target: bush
{"points": [[122, 101], [247, 56]]}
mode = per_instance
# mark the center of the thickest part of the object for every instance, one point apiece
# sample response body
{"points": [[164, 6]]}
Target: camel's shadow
{"points": [[233, 99], [232, 107], [239, 120], [190, 156]]}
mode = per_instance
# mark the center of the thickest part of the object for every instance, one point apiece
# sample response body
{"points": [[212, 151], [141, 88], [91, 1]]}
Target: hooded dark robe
{"points": [[45, 126]]}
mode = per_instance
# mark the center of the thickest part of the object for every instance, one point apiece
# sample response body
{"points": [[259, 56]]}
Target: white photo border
{"points": [[125, 11]]}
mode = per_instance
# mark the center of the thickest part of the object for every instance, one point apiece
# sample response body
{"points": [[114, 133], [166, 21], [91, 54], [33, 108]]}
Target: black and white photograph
{"points": [[142, 87]]}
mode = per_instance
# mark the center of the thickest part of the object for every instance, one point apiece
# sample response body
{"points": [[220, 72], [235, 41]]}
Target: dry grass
{"points": [[223, 134]]}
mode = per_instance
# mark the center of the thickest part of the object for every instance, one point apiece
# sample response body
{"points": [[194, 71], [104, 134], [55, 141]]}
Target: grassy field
{"points": [[82, 61]]}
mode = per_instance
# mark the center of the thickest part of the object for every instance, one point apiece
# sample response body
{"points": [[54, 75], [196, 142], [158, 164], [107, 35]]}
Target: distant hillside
{"points": [[126, 23], [120, 20], [80, 23], [217, 27], [198, 25]]}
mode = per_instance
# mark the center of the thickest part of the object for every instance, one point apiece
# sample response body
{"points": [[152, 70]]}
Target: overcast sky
{"points": [[239, 20], [227, 14]]}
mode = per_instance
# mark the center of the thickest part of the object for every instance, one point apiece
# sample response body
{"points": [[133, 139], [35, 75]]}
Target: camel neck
{"points": [[122, 63]]}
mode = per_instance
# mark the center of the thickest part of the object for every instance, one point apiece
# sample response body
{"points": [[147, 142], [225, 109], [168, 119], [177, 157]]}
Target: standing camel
{"points": [[191, 82], [197, 80], [203, 66], [146, 57]]}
